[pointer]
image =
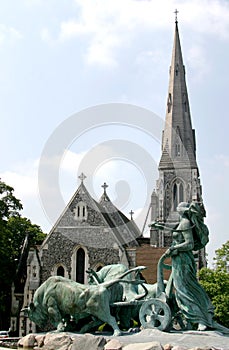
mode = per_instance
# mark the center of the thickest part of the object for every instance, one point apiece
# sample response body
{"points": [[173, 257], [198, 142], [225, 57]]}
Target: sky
{"points": [[83, 88]]}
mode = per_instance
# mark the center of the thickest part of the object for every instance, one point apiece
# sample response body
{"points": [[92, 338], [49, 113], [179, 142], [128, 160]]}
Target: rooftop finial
{"points": [[131, 214], [82, 177], [104, 186], [176, 12]]}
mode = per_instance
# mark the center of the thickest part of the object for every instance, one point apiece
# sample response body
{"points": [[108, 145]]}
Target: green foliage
{"points": [[6, 253], [18, 227], [13, 231], [222, 257], [9, 205], [216, 284]]}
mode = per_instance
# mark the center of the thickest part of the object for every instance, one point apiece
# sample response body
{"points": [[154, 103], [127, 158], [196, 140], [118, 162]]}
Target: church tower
{"points": [[178, 171]]}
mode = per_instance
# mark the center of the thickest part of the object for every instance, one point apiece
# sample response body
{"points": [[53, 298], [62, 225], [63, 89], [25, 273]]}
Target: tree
{"points": [[9, 207], [17, 234], [20, 227], [22, 235], [216, 283], [9, 204], [222, 257]]}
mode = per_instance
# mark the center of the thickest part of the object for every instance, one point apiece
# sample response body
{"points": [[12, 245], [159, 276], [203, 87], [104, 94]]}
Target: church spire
{"points": [[178, 141], [179, 179]]}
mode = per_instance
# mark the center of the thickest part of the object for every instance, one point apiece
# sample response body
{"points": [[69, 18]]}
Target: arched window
{"points": [[175, 199], [177, 150], [167, 202], [181, 193], [178, 194], [80, 212], [80, 265], [185, 102], [189, 197], [169, 103], [60, 271], [178, 143], [177, 69]]}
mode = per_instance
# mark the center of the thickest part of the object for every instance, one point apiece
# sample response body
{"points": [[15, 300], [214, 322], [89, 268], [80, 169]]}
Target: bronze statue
{"points": [[191, 234], [181, 300]]}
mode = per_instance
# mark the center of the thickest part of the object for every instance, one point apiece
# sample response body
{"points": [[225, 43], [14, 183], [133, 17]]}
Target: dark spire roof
{"points": [[178, 142], [127, 229]]}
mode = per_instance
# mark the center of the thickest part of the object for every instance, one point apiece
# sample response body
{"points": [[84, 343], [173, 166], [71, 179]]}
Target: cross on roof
{"points": [[176, 12], [131, 214], [82, 177], [104, 186]]}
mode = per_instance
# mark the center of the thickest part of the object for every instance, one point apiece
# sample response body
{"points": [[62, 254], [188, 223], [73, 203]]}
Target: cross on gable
{"points": [[82, 177], [131, 214], [104, 186]]}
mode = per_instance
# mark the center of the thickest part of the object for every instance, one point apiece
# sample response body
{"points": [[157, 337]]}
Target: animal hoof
{"points": [[60, 328], [134, 330], [202, 327], [117, 333]]}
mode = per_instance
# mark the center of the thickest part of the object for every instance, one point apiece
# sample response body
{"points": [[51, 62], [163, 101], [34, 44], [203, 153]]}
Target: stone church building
{"points": [[93, 234], [88, 234]]}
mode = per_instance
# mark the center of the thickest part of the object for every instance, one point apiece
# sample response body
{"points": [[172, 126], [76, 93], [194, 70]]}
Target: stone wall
{"points": [[59, 251]]}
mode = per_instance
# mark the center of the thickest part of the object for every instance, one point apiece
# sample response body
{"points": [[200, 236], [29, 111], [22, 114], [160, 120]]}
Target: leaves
{"points": [[221, 303], [19, 227], [216, 284], [222, 257], [9, 204], [17, 235]]}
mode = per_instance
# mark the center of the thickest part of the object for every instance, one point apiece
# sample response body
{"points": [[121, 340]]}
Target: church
{"points": [[92, 234]]}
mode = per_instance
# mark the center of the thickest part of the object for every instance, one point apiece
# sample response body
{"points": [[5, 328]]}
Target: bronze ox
{"points": [[59, 298], [131, 293]]}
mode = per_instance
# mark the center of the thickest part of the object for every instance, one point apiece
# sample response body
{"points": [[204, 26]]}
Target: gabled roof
{"points": [[126, 229], [100, 216]]}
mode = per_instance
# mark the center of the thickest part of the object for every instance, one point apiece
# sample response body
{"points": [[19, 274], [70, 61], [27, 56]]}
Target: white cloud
{"points": [[24, 184], [149, 57], [71, 28], [107, 25], [71, 161], [100, 51], [208, 16], [197, 60], [46, 35], [8, 34], [223, 159], [23, 178]]}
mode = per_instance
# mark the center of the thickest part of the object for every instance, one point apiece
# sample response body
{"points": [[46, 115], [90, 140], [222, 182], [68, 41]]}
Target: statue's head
{"points": [[183, 207], [36, 314]]}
